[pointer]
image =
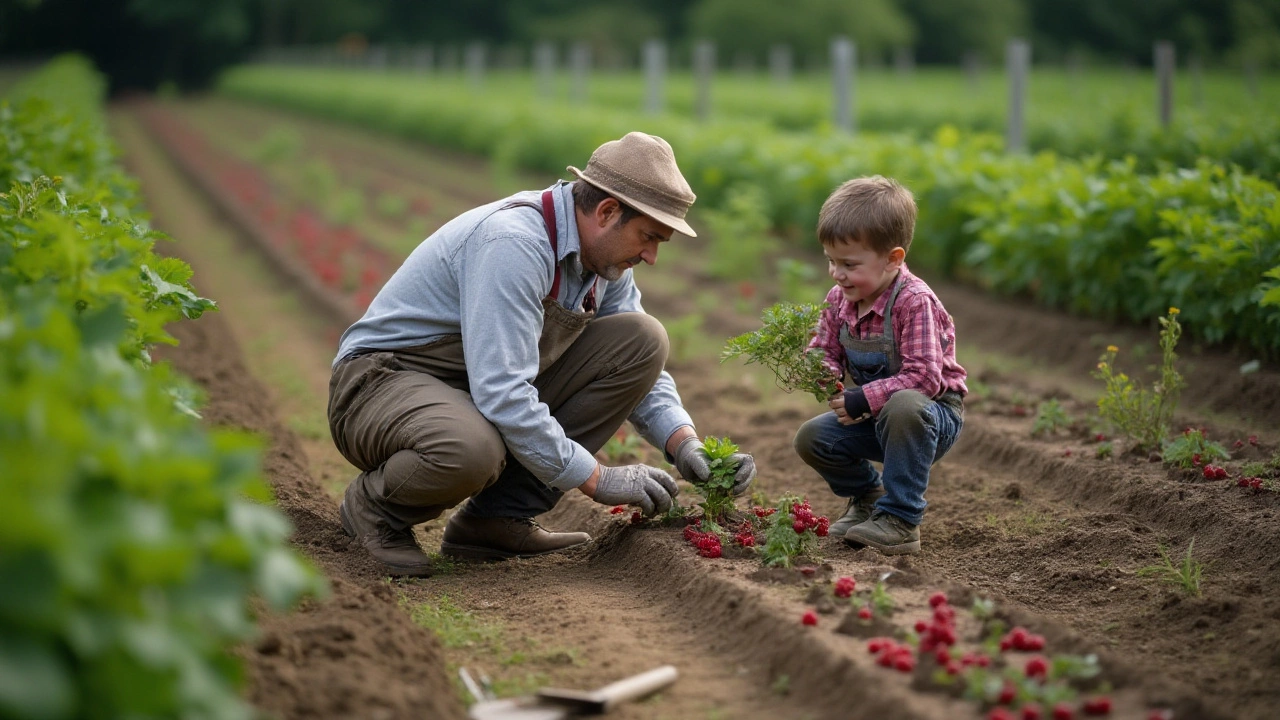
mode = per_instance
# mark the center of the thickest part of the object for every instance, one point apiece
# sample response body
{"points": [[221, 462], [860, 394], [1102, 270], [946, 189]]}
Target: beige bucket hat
{"points": [[640, 170]]}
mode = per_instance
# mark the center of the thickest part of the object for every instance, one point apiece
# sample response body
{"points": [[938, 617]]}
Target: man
{"points": [[501, 356]]}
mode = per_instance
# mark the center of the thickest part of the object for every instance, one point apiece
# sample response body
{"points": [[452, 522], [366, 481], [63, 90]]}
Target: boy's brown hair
{"points": [[874, 210]]}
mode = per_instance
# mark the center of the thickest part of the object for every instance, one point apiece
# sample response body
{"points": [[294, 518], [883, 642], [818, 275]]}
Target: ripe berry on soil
{"points": [[844, 587], [1100, 705], [1062, 711], [864, 613], [809, 618], [1037, 667], [1032, 711], [617, 510], [938, 598], [1007, 694]]}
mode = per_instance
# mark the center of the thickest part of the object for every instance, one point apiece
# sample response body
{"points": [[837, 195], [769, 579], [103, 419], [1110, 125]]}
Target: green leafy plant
{"points": [[1141, 414], [131, 538], [782, 347], [717, 492], [1050, 418], [1186, 574], [1192, 448]]}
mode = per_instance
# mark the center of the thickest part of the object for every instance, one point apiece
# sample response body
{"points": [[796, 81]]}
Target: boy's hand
{"points": [[842, 404]]}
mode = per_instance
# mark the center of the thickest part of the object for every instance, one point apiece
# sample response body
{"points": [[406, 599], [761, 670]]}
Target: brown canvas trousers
{"points": [[406, 419]]}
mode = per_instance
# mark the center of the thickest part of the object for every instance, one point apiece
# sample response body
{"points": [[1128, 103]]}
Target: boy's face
{"points": [[861, 273]]}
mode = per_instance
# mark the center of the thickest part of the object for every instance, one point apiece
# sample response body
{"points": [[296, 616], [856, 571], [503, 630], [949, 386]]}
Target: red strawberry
{"points": [[1037, 667], [1062, 711], [799, 527], [875, 645], [1099, 437], [982, 661], [1000, 713], [823, 528], [938, 598], [809, 618], [844, 587], [864, 613], [1007, 694], [943, 656], [1237, 444], [1195, 459], [1031, 711], [617, 510], [953, 667], [1018, 637], [1034, 643], [1006, 644], [1100, 705], [904, 663]]}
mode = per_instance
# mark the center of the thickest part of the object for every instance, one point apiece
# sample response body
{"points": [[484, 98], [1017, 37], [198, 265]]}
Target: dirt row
{"points": [[1057, 537]]}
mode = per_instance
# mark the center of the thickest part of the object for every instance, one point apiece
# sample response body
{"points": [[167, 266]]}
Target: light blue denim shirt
{"points": [[483, 275]]}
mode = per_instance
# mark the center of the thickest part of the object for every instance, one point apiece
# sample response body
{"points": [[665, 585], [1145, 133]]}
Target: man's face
{"points": [[619, 247], [860, 272]]}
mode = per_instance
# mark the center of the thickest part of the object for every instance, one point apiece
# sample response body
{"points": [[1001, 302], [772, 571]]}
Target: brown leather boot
{"points": [[476, 538], [395, 549]]}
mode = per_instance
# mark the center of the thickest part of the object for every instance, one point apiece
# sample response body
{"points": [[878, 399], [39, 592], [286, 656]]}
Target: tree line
{"points": [[142, 42]]}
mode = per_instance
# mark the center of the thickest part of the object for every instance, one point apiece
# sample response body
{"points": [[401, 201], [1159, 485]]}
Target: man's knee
{"points": [[643, 337], [447, 470]]}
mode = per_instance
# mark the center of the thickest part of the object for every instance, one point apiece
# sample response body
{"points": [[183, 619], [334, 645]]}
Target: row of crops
{"points": [[130, 536], [1099, 235], [1108, 112]]}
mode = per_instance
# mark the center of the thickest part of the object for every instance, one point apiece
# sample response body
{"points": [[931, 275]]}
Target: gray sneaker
{"points": [[396, 549], [858, 511], [889, 534]]}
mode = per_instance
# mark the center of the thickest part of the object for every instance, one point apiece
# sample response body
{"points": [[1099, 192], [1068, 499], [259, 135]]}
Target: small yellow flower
{"points": [[1173, 311], [1102, 366], [1112, 349]]}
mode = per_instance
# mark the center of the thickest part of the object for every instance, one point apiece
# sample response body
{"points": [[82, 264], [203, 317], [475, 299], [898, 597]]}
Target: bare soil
{"points": [[1054, 533]]}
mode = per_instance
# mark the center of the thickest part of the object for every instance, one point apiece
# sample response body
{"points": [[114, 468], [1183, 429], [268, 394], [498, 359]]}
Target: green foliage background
{"points": [[130, 537]]}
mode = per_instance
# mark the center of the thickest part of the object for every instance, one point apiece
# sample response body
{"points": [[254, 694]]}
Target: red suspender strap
{"points": [[549, 219]]}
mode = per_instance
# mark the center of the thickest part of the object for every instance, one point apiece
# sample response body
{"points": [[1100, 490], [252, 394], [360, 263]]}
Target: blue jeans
{"points": [[909, 435]]}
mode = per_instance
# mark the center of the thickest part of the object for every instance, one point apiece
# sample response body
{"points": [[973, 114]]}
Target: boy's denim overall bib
{"points": [[910, 433]]}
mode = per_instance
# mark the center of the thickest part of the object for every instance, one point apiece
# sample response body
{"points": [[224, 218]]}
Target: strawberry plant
{"points": [[793, 532], [1192, 449], [1142, 414], [781, 345]]}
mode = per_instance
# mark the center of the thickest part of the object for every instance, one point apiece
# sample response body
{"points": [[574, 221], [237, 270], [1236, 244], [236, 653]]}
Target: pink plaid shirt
{"points": [[922, 329]]}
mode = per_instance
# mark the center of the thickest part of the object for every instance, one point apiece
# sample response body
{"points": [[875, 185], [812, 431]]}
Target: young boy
{"points": [[886, 329]]}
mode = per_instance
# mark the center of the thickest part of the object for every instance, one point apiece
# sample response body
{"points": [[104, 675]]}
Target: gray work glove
{"points": [[694, 465], [648, 487]]}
